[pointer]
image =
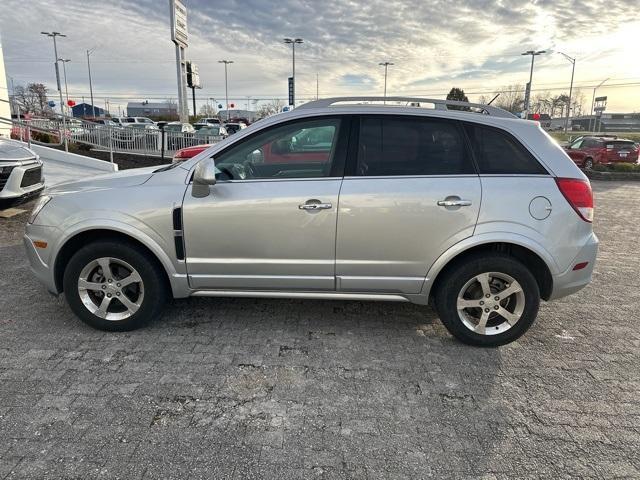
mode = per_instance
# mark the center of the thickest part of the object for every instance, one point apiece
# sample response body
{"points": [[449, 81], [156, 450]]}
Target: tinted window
{"points": [[499, 153], [302, 149], [411, 146], [591, 143]]}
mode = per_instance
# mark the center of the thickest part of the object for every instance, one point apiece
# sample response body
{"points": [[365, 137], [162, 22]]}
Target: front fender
{"points": [[484, 239], [131, 227]]}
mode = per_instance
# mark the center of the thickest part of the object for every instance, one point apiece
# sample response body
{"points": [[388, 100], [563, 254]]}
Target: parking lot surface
{"points": [[242, 388]]}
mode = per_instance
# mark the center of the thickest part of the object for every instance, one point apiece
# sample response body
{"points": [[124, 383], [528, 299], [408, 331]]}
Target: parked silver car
{"points": [[20, 173], [483, 214]]}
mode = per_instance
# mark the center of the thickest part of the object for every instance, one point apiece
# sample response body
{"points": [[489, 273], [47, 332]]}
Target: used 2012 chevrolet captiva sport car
{"points": [[458, 204]]}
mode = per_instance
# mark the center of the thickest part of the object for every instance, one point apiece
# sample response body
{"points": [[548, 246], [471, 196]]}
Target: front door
{"points": [[269, 223], [411, 193]]}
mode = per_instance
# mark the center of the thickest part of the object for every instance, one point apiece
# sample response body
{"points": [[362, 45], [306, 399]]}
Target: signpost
{"points": [[600, 105], [180, 36], [291, 91]]}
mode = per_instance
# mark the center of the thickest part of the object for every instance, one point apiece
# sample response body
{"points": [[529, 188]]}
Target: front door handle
{"points": [[315, 206], [450, 202]]}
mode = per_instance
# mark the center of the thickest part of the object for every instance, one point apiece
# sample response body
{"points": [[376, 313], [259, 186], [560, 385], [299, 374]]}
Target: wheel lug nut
{"points": [[104, 286], [487, 295], [118, 294], [118, 284], [109, 280], [108, 295], [496, 307], [497, 298], [487, 310], [481, 302]]}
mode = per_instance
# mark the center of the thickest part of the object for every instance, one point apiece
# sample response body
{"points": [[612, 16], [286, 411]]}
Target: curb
{"points": [[74, 159], [612, 176]]}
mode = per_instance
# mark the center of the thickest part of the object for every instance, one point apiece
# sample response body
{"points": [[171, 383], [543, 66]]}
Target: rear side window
{"points": [[499, 153], [620, 145], [397, 146]]}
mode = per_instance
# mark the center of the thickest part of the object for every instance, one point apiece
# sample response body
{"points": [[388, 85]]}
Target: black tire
{"points": [[154, 284], [588, 163], [456, 277]]}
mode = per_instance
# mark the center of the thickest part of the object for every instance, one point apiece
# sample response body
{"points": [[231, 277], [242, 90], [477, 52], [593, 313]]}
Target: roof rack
{"points": [[437, 103]]}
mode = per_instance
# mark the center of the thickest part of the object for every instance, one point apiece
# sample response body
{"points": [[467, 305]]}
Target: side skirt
{"points": [[307, 295]]}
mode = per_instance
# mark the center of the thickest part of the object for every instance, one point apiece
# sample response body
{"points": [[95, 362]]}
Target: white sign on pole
{"points": [[179, 33]]}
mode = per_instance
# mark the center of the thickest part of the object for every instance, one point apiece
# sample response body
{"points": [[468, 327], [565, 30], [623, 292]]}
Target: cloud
{"points": [[475, 43]]}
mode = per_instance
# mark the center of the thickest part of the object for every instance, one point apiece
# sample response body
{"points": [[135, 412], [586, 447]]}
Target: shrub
{"points": [[41, 137], [625, 167]]}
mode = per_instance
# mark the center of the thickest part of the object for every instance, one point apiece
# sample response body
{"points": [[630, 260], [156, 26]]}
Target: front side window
{"points": [[576, 145], [304, 149], [498, 153], [397, 146]]}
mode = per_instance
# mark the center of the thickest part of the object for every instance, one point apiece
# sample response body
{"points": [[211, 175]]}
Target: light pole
{"points": [[64, 75], [573, 69], [214, 108], [386, 66], [527, 98], [226, 85], [93, 108], [55, 52], [293, 42], [593, 103]]}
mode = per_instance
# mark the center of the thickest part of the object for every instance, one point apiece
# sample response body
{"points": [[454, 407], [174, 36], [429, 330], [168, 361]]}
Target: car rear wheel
{"points": [[588, 164], [114, 286], [487, 300]]}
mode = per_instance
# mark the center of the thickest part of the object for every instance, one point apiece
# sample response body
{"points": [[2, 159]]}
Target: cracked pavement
{"points": [[285, 389]]}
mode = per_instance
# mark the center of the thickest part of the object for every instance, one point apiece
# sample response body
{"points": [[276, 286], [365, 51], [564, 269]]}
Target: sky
{"points": [[434, 45]]}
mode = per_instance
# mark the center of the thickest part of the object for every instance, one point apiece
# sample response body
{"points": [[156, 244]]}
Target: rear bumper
{"points": [[571, 280]]}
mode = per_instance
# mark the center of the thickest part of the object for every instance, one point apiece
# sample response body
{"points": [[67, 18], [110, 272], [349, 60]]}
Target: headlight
{"points": [[40, 203]]}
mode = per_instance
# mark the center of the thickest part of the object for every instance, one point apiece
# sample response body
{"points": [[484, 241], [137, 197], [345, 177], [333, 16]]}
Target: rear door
{"points": [[410, 192]]}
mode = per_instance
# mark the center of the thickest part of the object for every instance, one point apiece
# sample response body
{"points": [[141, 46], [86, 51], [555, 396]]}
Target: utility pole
{"points": [[573, 69], [317, 87], [55, 52], [386, 66], [527, 96], [293, 42], [93, 108], [226, 85], [64, 74]]}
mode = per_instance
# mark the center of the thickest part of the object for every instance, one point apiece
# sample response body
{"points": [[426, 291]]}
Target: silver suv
{"points": [[460, 204]]}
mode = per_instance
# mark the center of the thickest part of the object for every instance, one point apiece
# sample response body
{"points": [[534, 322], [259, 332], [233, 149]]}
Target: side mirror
{"points": [[203, 176]]}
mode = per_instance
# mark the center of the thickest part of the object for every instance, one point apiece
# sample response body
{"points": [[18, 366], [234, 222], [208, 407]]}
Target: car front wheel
{"points": [[487, 300], [114, 286], [588, 164]]}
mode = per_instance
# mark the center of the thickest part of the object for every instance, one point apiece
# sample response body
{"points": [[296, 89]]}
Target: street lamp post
{"points": [[93, 108], [55, 52], [226, 85], [527, 99], [593, 103], [64, 75], [573, 69], [386, 66], [293, 42]]}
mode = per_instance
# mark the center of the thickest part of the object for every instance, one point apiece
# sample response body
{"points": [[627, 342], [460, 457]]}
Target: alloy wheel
{"points": [[490, 303], [110, 288]]}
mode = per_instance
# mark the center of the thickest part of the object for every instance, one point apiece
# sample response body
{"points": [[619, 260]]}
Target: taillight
{"points": [[579, 195]]}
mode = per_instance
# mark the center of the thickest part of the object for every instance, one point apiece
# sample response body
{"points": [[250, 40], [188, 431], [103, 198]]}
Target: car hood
{"points": [[13, 151], [126, 178]]}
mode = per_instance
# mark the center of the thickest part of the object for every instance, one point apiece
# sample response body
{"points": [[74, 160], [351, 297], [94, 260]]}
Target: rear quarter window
{"points": [[499, 153]]}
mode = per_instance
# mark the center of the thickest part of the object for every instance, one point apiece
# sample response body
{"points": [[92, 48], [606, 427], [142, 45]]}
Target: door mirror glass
{"points": [[204, 176]]}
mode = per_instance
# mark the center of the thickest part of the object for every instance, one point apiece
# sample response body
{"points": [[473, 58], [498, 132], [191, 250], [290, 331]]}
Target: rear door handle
{"points": [[315, 206], [454, 203]]}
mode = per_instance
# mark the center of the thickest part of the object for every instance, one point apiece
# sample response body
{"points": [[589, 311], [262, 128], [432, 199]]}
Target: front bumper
{"points": [[571, 281]]}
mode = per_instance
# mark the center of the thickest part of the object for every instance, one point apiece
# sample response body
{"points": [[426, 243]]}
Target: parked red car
{"points": [[189, 152], [588, 151]]}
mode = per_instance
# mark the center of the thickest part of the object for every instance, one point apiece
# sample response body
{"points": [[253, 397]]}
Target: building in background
{"points": [[86, 110], [158, 110], [250, 115]]}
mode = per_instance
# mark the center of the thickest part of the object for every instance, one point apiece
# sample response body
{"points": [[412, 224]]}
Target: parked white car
{"points": [[20, 173]]}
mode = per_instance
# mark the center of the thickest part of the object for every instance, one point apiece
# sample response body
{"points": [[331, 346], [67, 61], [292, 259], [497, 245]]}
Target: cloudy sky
{"points": [[434, 44]]}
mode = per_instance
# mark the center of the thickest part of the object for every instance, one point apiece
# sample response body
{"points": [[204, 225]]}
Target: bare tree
{"points": [[271, 108], [32, 99], [207, 110], [511, 98]]}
